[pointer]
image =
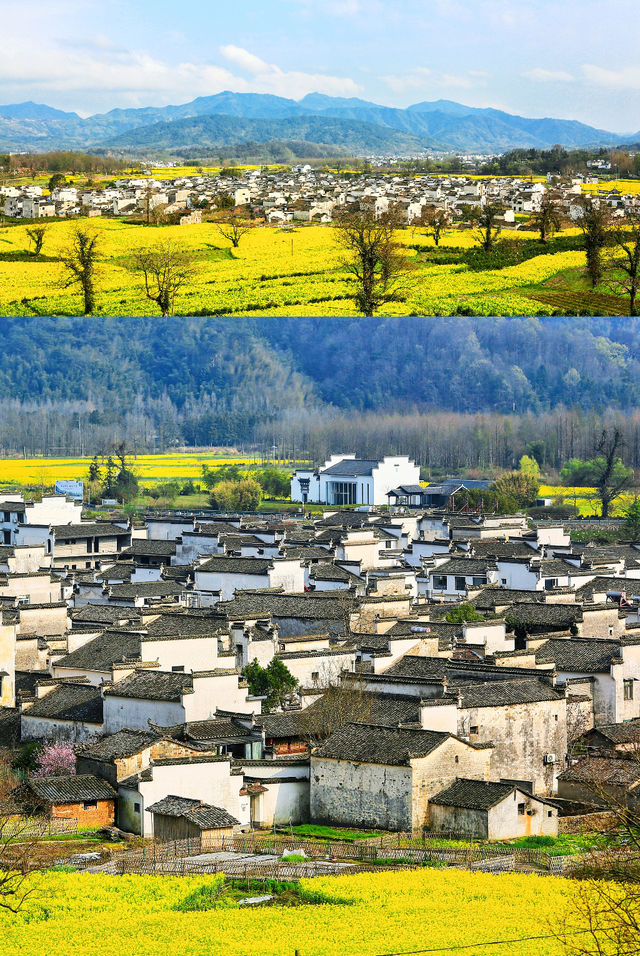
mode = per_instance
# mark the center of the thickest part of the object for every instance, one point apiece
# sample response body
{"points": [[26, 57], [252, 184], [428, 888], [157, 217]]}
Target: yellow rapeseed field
{"points": [[275, 271], [150, 469], [84, 915]]}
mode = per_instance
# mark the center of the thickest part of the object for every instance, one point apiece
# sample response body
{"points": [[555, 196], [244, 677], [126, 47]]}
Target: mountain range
{"points": [[346, 124]]}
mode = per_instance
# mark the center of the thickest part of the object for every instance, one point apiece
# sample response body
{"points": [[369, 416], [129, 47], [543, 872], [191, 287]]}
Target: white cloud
{"points": [[422, 78], [548, 76], [627, 78], [80, 71], [245, 60], [269, 78]]}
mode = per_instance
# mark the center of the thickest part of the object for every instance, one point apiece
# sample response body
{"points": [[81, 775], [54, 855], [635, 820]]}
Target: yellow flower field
{"points": [[585, 499], [81, 914], [150, 469], [275, 271]]}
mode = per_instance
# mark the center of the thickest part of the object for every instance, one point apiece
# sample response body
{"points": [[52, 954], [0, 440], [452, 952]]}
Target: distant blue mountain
{"points": [[348, 122]]}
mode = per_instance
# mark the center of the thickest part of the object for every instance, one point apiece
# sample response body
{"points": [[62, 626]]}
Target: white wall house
{"points": [[347, 480]]}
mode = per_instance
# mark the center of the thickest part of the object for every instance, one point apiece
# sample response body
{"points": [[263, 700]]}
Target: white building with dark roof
{"points": [[347, 480]]}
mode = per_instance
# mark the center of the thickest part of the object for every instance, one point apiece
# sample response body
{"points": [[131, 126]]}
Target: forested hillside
{"points": [[73, 384]]}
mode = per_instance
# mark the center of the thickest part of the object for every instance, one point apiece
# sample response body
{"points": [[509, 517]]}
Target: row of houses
{"points": [[303, 194], [131, 646]]}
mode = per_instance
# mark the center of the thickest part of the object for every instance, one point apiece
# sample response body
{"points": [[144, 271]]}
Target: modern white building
{"points": [[347, 480]]}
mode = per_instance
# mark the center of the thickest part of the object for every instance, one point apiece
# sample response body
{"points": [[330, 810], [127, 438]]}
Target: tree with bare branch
{"points": [[624, 268], [547, 217], [434, 221], [233, 227], [603, 916], [595, 222], [344, 701], [487, 220], [79, 259], [375, 258], [20, 833], [36, 236], [165, 269]]}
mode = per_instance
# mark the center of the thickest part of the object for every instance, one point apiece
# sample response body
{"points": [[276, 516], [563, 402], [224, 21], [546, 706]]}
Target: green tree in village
{"points": [[632, 520], [595, 223], [463, 613], [529, 466], [79, 259], [605, 471], [243, 495], [36, 236], [521, 487], [275, 682], [487, 220]]}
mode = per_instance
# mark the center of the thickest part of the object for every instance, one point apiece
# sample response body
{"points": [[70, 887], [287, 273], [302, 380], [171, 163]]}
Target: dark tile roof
{"points": [[71, 789], [503, 693], [100, 653], [472, 794], [287, 605], [173, 625], [9, 727], [599, 771], [627, 732], [545, 615], [352, 467], [153, 685], [584, 655], [70, 702], [142, 589], [224, 565], [104, 614], [200, 814], [149, 547], [465, 566], [207, 731], [64, 532], [124, 743], [369, 743]]}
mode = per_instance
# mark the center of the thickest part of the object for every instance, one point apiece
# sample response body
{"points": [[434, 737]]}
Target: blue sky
{"points": [[575, 59]]}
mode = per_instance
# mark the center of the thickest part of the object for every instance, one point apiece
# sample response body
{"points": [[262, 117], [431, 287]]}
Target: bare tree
{"points": [[233, 227], [595, 223], [625, 268], [80, 261], [603, 916], [486, 219], [165, 269], [343, 701], [20, 833], [36, 236], [434, 220], [547, 217], [374, 257]]}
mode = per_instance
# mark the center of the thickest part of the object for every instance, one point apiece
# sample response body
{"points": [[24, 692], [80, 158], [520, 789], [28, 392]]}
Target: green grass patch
{"points": [[313, 832], [227, 894]]}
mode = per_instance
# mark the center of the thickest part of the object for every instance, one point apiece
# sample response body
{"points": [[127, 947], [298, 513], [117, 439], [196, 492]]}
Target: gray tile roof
{"points": [[69, 702], [64, 532], [153, 685], [584, 655], [627, 732], [352, 467], [504, 693], [100, 653], [598, 771], [472, 794], [200, 814], [124, 743], [370, 743], [224, 565], [71, 789]]}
